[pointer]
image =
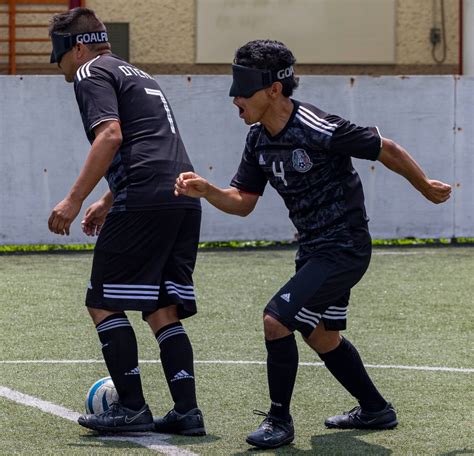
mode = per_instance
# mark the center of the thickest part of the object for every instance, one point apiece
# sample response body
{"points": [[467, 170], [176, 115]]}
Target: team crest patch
{"points": [[301, 161]]}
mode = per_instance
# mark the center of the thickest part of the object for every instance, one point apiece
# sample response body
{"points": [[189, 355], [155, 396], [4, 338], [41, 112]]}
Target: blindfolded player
{"points": [[305, 154]]}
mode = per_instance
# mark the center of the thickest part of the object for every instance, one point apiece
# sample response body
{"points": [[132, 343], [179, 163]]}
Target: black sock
{"points": [[345, 364], [119, 347], [176, 355], [282, 365]]}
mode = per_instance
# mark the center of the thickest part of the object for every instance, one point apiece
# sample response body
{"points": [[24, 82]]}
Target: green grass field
{"points": [[413, 308]]}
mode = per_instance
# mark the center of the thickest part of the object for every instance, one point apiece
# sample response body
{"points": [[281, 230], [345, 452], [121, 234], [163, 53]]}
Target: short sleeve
{"points": [[249, 177], [97, 99], [355, 141]]}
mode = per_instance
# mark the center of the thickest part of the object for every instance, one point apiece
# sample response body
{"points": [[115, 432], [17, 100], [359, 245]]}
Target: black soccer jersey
{"points": [[309, 164], [152, 154]]}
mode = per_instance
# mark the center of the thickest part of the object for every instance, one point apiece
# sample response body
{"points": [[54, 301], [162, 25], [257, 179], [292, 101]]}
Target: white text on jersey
{"points": [[129, 70]]}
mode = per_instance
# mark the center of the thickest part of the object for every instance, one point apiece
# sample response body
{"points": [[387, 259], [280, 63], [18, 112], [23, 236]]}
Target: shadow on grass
{"points": [[458, 452], [338, 443], [139, 440]]}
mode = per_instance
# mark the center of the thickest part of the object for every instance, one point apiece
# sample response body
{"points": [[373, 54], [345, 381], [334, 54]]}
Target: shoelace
{"points": [[170, 413], [112, 409], [267, 423], [260, 413], [353, 411]]}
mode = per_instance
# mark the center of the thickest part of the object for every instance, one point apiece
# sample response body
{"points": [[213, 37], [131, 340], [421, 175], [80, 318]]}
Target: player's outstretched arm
{"points": [[108, 137], [397, 159], [230, 200]]}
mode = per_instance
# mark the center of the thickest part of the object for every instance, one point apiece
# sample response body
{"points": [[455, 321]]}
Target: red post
{"points": [[75, 3], [461, 37], [11, 36]]}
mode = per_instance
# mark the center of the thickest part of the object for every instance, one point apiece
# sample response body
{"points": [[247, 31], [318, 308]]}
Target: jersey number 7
{"points": [[159, 93]]}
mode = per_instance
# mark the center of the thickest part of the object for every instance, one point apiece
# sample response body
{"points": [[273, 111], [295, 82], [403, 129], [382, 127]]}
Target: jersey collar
{"points": [[296, 105]]}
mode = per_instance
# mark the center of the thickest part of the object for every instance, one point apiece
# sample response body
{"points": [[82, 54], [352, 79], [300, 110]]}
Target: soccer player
{"points": [[146, 249], [305, 154]]}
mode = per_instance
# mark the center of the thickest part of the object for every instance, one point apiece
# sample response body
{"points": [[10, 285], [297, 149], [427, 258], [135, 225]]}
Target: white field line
{"points": [[150, 440], [465, 370], [378, 252], [44, 406]]}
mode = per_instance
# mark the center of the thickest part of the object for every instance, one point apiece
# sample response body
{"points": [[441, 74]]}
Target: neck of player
{"points": [[277, 115]]}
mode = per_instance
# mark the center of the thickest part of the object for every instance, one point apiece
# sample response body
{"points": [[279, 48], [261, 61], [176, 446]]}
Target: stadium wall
{"points": [[163, 38], [43, 147]]}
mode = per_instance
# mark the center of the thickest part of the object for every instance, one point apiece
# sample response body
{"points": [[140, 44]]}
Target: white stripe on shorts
{"points": [[335, 313], [131, 291], [177, 285], [304, 320], [183, 291], [306, 316], [332, 317], [185, 297], [140, 292], [126, 296], [131, 286], [308, 312]]}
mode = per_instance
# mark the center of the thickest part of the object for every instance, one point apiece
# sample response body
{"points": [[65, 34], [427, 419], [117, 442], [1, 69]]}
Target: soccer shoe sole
{"points": [[118, 429], [380, 427], [265, 446], [192, 426], [193, 432]]}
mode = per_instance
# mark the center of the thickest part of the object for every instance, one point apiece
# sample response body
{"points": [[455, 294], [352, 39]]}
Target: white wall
{"points": [[327, 32], [468, 38], [42, 148]]}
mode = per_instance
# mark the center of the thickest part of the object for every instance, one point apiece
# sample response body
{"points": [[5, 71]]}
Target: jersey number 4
{"points": [[159, 93], [281, 173]]}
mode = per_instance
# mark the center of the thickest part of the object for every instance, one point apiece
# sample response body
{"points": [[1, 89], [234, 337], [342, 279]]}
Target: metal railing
{"points": [[27, 9]]}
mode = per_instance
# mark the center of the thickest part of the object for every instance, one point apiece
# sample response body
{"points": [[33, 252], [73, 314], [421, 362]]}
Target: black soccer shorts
{"points": [[320, 290], [144, 260]]}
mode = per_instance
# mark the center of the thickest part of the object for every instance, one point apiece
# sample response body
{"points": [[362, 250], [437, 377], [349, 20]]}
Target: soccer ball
{"points": [[100, 396]]}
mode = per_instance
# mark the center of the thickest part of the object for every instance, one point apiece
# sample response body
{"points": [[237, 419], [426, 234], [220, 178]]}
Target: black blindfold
{"points": [[246, 81], [64, 42]]}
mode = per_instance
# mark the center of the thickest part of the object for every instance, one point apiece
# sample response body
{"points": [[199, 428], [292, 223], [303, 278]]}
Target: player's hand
{"points": [[436, 191], [191, 184], [63, 215], [94, 218]]}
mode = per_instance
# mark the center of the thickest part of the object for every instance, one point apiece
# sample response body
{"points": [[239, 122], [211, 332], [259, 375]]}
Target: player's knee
{"points": [[162, 317], [322, 340], [98, 315], [273, 328]]}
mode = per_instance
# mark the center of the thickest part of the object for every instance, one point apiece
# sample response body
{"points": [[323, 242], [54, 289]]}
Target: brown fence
{"points": [[18, 18]]}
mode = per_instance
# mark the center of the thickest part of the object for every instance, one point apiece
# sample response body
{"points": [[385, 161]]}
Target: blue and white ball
{"points": [[100, 396]]}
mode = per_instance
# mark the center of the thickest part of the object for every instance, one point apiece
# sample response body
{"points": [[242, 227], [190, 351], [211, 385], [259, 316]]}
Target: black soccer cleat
{"points": [[358, 419], [190, 423], [273, 432], [119, 419]]}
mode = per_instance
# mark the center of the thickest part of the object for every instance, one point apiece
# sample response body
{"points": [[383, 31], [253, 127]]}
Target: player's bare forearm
{"points": [[107, 142], [108, 199], [398, 160], [230, 200]]}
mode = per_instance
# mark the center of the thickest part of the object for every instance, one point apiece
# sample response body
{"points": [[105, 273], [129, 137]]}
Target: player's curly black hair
{"points": [[79, 20], [268, 55]]}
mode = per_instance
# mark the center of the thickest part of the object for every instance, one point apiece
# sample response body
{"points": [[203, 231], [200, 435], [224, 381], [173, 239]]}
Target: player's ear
{"points": [[276, 89], [80, 50]]}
